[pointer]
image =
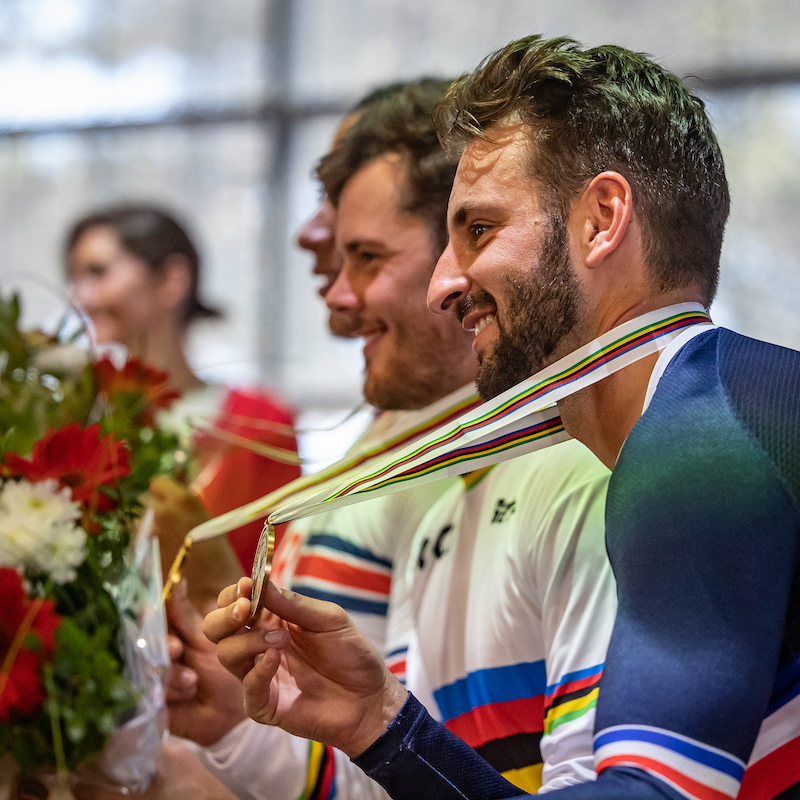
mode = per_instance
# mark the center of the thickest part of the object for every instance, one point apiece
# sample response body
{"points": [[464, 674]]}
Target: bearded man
{"points": [[701, 687]]}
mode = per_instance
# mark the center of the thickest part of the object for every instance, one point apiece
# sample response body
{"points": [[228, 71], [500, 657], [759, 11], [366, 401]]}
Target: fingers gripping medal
{"points": [[262, 566]]}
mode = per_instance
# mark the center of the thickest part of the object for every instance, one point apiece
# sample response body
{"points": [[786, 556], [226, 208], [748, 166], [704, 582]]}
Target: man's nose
{"points": [[447, 284], [340, 296], [317, 233]]}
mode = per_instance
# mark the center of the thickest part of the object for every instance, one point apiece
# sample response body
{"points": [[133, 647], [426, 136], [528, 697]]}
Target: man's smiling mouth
{"points": [[370, 337], [483, 322]]}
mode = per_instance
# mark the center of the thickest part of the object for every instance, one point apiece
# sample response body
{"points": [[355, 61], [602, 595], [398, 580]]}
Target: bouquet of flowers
{"points": [[82, 630]]}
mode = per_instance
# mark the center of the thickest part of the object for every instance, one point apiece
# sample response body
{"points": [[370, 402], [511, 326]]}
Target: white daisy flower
{"points": [[39, 529]]}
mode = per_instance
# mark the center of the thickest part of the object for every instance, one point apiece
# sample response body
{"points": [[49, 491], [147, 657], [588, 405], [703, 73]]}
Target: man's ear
{"points": [[175, 281], [604, 213]]}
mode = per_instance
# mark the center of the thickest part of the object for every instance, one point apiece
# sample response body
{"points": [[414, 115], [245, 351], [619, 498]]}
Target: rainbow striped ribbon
{"points": [[516, 422], [451, 407]]}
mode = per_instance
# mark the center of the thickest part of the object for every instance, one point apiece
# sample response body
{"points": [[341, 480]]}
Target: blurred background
{"points": [[219, 109]]}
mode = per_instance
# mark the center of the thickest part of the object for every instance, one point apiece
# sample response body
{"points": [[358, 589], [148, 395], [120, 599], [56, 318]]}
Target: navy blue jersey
{"points": [[700, 696]]}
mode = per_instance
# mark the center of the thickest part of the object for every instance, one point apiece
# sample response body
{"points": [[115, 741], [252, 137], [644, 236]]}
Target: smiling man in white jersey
{"points": [[547, 554]]}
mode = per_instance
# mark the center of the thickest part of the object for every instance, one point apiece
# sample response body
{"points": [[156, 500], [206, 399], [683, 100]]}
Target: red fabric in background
{"points": [[242, 475]]}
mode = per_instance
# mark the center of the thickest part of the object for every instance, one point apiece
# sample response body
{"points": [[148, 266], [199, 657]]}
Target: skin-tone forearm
{"points": [[205, 701], [305, 668]]}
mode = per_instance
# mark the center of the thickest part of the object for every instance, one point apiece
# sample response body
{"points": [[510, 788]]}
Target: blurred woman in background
{"points": [[135, 272]]}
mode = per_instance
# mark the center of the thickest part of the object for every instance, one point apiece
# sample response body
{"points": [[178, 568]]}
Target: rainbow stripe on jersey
{"points": [[570, 698], [320, 773], [396, 663], [499, 712], [336, 569]]}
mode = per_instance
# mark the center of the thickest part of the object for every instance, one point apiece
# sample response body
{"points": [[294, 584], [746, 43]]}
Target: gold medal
{"points": [[262, 566]]}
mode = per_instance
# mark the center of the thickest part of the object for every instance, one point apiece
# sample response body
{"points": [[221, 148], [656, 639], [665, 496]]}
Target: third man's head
{"points": [[390, 180]]}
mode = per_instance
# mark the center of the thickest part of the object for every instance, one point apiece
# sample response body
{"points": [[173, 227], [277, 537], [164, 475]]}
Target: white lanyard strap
{"points": [[516, 422], [436, 415]]}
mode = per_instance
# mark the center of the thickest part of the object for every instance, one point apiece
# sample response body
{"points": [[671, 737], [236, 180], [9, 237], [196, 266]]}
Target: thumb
{"points": [[183, 617]]}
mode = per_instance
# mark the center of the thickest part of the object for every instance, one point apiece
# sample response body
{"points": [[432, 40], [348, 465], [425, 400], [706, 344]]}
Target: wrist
{"points": [[220, 726], [392, 699]]}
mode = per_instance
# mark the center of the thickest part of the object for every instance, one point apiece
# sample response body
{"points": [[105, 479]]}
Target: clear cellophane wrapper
{"points": [[130, 758]]}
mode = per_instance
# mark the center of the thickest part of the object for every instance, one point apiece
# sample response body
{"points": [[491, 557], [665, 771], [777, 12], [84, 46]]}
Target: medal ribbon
{"points": [[518, 421], [440, 413]]}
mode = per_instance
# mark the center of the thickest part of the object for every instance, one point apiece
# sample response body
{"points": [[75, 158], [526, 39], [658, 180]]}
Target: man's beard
{"points": [[543, 308]]}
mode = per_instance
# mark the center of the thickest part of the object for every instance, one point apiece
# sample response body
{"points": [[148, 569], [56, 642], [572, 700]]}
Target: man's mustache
{"points": [[469, 302]]}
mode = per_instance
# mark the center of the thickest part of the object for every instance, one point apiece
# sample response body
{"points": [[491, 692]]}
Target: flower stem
{"points": [[55, 724], [17, 642]]}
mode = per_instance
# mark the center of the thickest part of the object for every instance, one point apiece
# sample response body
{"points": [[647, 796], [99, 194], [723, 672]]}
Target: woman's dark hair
{"points": [[152, 235]]}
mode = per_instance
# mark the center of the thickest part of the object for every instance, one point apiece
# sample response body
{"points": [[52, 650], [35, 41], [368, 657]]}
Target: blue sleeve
{"points": [[417, 758], [702, 532]]}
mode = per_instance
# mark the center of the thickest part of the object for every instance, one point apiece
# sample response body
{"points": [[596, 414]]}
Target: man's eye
{"points": [[477, 229], [367, 257]]}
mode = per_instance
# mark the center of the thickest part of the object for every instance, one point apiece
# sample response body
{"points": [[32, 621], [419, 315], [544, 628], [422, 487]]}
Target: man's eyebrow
{"points": [[353, 244], [459, 217]]}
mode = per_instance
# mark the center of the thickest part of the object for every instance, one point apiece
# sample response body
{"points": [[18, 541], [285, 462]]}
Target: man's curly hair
{"points": [[400, 121], [606, 108]]}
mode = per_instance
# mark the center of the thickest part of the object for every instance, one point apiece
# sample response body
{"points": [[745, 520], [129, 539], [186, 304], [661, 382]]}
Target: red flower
{"points": [[136, 380], [77, 458], [22, 654]]}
